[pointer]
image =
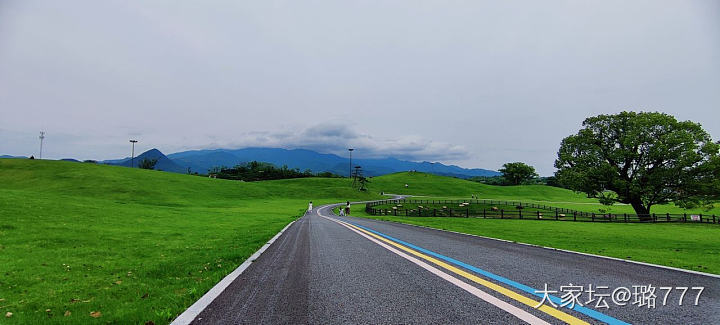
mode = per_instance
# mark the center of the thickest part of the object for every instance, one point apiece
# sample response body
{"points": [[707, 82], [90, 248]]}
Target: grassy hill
{"points": [[688, 246], [433, 185], [134, 245], [446, 187]]}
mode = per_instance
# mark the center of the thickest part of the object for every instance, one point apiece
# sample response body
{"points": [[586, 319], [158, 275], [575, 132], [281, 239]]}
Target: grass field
{"points": [[438, 187], [129, 245], [688, 246], [86, 243]]}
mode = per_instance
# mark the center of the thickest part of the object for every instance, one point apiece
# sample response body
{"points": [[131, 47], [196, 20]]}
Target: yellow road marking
{"points": [[565, 317]]}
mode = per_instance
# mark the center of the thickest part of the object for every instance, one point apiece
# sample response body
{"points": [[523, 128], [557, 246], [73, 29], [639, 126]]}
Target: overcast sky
{"points": [[475, 83]]}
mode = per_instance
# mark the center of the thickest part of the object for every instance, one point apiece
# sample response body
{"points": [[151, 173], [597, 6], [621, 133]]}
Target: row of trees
{"points": [[639, 158], [502, 181], [259, 171]]}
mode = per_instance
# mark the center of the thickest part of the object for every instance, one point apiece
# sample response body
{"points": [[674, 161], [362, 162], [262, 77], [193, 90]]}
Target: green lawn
{"points": [[134, 245], [688, 246], [438, 187], [137, 245]]}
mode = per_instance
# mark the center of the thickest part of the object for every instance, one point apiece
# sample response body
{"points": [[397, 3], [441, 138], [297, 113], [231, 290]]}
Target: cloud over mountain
{"points": [[336, 138]]}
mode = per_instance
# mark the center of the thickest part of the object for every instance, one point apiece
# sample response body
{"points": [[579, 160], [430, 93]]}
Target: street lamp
{"points": [[42, 137], [351, 150], [132, 155]]}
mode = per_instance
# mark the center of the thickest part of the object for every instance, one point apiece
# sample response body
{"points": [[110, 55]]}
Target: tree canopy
{"points": [[516, 173], [642, 159], [258, 171], [147, 163]]}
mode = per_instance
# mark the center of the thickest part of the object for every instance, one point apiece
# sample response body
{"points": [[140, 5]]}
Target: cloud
{"points": [[336, 138]]}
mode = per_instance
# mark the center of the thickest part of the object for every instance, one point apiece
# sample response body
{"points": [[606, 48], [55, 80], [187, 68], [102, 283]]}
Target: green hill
{"points": [[423, 184], [433, 185], [135, 245], [141, 245]]}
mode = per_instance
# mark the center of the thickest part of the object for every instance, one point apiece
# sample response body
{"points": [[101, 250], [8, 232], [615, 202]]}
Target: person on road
{"points": [[342, 211], [347, 208], [309, 207]]}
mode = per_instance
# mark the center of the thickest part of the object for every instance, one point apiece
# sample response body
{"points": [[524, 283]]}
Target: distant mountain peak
{"points": [[152, 153], [205, 159], [202, 160], [163, 162]]}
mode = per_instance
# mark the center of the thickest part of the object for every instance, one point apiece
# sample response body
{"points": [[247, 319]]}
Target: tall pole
{"points": [[351, 150], [42, 137], [132, 155]]}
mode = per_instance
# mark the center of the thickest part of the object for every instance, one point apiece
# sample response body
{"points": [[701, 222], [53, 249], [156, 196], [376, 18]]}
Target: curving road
{"points": [[327, 269]]}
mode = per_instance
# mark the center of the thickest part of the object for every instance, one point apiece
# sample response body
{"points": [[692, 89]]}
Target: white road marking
{"points": [[515, 311]]}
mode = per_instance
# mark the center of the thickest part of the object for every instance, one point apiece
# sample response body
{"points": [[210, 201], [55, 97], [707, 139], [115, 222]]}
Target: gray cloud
{"points": [[474, 83], [337, 138]]}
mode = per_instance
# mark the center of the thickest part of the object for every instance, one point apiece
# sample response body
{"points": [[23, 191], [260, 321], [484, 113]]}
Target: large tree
{"points": [[516, 172], [642, 159]]}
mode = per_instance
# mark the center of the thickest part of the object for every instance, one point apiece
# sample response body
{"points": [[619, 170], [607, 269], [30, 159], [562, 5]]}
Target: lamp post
{"points": [[132, 155], [42, 137], [351, 150]]}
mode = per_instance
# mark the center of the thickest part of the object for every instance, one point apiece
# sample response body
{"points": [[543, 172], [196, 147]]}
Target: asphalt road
{"points": [[327, 269]]}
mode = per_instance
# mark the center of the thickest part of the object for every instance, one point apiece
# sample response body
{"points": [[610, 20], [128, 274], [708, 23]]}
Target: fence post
{"points": [[484, 216], [668, 217], [501, 213], [556, 214], [574, 215], [467, 212], [701, 218], [684, 217], [593, 217], [434, 212], [538, 214], [450, 212], [406, 212], [520, 213]]}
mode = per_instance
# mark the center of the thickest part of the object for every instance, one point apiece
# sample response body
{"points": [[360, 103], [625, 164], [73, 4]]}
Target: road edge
{"points": [[196, 308], [557, 249]]}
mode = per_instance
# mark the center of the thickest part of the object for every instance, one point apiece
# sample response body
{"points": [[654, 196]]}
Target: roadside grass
{"points": [[433, 187], [688, 246], [104, 244]]}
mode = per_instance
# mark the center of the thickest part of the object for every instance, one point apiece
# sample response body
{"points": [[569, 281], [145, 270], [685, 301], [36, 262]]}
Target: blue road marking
{"points": [[584, 310]]}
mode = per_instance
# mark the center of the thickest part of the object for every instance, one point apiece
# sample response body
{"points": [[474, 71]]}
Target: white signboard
{"points": [[695, 217]]}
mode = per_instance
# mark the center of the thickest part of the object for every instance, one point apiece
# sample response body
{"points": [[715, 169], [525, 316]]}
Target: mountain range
{"points": [[202, 160]]}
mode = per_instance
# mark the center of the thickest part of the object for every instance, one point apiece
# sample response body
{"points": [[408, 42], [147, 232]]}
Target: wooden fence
{"points": [[429, 208]]}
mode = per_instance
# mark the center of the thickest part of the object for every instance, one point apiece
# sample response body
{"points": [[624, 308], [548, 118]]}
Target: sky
{"points": [[473, 83]]}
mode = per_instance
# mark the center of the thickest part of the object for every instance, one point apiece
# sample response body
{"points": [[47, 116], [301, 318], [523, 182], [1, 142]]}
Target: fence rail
{"points": [[551, 213]]}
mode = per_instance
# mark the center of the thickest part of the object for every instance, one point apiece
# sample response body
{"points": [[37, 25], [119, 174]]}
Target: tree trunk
{"points": [[641, 210]]}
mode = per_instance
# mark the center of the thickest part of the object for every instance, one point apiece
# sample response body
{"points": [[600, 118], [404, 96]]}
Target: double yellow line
{"points": [[565, 317]]}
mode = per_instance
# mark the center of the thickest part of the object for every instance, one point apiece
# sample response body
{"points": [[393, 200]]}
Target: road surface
{"points": [[327, 269]]}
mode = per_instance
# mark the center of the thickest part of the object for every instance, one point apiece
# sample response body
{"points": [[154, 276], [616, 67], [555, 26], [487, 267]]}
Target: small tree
{"points": [[516, 173], [641, 159], [363, 181], [147, 163]]}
